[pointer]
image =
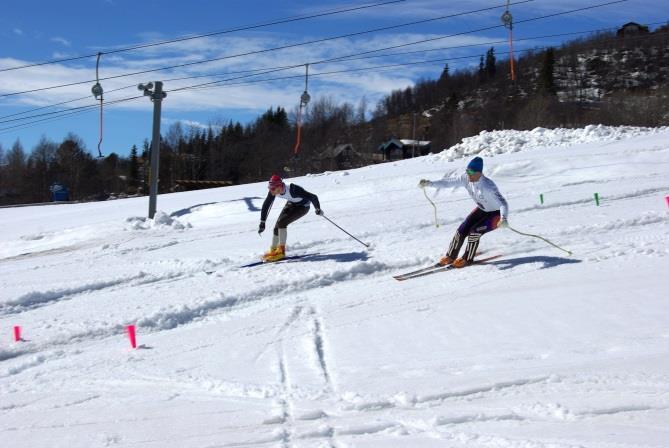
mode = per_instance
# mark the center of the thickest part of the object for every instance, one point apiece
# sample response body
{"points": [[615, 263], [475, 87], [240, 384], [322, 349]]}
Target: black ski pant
{"points": [[473, 227], [290, 213]]}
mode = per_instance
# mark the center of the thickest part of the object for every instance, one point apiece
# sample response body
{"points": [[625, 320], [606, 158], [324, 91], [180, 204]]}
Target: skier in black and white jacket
{"points": [[297, 205]]}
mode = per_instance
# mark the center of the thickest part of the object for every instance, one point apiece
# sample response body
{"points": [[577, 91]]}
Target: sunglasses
{"points": [[471, 172]]}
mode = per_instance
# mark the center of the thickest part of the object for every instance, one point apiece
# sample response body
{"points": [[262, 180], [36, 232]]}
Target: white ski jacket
{"points": [[484, 192]]}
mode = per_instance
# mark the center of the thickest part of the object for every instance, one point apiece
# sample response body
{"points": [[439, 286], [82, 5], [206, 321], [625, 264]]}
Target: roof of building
{"points": [[399, 143], [334, 151]]}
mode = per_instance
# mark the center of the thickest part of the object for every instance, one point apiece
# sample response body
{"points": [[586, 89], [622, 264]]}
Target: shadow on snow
{"points": [[185, 211], [548, 262], [340, 258]]}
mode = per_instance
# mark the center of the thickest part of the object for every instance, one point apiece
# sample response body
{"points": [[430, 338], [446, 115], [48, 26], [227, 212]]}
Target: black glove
{"points": [[319, 211], [261, 227]]}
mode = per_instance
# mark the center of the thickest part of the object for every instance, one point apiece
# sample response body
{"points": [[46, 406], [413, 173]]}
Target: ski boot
{"points": [[269, 253], [278, 254], [445, 261], [461, 263]]}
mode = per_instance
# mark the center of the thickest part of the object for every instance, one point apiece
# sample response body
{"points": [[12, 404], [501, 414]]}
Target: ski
{"points": [[438, 268], [425, 269], [289, 258], [418, 271]]}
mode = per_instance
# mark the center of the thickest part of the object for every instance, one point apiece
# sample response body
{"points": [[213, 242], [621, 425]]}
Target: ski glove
{"points": [[261, 227], [319, 211], [503, 224], [424, 183]]}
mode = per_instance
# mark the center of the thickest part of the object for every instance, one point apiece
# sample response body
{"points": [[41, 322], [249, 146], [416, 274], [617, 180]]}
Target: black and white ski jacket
{"points": [[294, 194]]}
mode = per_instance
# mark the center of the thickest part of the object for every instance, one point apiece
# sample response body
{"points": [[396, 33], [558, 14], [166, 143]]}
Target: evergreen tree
{"points": [[490, 63], [444, 74], [482, 76], [146, 150], [546, 77], [133, 169]]}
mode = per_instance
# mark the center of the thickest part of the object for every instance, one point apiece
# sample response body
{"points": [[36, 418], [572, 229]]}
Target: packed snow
{"points": [[535, 349]]}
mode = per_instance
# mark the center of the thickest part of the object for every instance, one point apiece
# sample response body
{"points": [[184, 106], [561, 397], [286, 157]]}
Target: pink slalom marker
{"points": [[666, 198], [132, 336], [17, 333]]}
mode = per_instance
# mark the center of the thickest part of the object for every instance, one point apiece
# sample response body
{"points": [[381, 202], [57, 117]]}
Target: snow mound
{"points": [[160, 220], [489, 143]]}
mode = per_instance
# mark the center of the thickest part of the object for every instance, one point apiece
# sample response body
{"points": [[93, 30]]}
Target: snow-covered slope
{"points": [[534, 349]]}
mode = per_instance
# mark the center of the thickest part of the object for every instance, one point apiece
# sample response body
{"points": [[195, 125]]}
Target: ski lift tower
{"points": [[157, 96]]}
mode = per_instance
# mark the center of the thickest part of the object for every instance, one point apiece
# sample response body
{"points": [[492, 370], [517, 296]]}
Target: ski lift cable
{"points": [[69, 112], [344, 71], [56, 112], [267, 50], [337, 37], [342, 58], [83, 109], [215, 33], [74, 100], [378, 68], [225, 82], [431, 39]]}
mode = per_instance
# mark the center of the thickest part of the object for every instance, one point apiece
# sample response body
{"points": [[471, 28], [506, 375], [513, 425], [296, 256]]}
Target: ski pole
{"points": [[541, 238], [364, 244], [436, 223]]}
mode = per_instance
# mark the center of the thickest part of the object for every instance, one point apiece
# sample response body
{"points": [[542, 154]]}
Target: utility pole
{"points": [[156, 96]]}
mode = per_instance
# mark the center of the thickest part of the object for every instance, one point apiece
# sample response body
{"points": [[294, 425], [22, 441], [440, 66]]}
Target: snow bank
{"points": [[160, 220], [489, 143]]}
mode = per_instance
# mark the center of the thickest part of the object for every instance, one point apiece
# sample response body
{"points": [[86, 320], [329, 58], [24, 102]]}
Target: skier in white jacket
{"points": [[491, 211]]}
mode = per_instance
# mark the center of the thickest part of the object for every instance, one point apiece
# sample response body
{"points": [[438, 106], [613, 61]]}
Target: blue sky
{"points": [[33, 31]]}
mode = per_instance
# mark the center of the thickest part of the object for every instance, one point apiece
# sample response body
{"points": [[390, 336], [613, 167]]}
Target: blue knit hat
{"points": [[476, 164]]}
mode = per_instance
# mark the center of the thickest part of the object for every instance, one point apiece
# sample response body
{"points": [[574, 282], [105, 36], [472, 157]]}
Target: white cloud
{"points": [[18, 31], [190, 123], [60, 55], [61, 40]]}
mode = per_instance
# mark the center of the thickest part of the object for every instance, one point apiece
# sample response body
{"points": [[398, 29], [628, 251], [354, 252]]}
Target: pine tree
{"points": [[133, 171], [546, 77], [444, 74], [481, 70], [490, 63]]}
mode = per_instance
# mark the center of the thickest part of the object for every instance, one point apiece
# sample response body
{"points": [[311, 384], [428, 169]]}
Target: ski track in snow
{"points": [[285, 413], [166, 320], [308, 393]]}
